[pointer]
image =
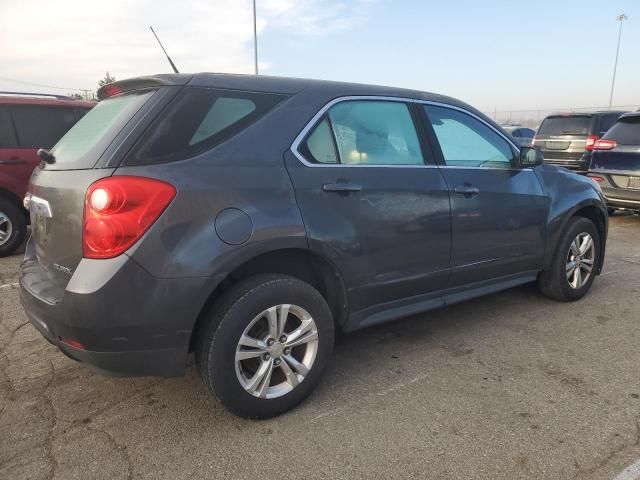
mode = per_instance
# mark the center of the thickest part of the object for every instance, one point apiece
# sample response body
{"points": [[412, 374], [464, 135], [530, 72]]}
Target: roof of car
{"points": [[273, 84], [39, 99], [631, 114]]}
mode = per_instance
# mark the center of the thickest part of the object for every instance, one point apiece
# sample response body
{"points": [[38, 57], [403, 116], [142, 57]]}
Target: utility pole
{"points": [[620, 18], [255, 39]]}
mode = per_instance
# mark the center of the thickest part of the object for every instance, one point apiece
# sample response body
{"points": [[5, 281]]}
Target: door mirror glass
{"points": [[531, 157]]}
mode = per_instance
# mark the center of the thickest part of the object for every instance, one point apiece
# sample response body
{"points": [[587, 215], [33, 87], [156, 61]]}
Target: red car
{"points": [[27, 122]]}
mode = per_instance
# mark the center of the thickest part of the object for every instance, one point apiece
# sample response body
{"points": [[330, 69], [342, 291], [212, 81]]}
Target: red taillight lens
{"points": [[605, 145], [591, 141], [596, 178], [111, 90], [118, 210]]}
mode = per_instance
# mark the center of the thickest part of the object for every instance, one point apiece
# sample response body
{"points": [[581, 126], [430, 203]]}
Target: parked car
{"points": [[522, 135], [616, 164], [246, 218], [27, 122], [567, 139]]}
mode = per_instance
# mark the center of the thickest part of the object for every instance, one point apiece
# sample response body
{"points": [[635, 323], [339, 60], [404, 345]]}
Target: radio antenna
{"points": [[175, 70]]}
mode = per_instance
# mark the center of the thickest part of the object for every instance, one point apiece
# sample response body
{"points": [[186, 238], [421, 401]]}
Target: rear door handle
{"points": [[341, 187], [466, 190]]}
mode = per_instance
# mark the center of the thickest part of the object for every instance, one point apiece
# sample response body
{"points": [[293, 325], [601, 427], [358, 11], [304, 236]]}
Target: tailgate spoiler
{"points": [[140, 83]]}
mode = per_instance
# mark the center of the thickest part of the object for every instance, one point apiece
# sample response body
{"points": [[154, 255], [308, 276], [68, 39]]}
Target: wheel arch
{"points": [[300, 263]]}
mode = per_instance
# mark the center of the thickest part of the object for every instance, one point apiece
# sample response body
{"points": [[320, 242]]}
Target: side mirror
{"points": [[530, 157]]}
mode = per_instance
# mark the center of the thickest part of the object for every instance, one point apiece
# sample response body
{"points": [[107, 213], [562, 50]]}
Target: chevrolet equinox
{"points": [[246, 218]]}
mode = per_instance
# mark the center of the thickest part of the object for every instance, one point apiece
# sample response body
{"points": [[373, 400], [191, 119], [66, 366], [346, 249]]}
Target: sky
{"points": [[495, 54]]}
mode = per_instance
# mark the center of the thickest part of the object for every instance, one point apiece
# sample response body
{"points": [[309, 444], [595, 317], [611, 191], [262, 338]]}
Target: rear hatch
{"points": [[617, 156], [57, 191], [563, 138]]}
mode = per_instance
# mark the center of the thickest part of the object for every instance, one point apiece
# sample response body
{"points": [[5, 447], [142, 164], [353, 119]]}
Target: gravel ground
{"points": [[508, 386]]}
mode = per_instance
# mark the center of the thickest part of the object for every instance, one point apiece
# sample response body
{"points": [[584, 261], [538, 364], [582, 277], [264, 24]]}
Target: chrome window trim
{"points": [[295, 146]]}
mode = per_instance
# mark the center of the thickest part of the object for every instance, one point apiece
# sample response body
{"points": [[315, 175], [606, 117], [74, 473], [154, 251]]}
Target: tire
{"points": [[231, 318], [611, 211], [555, 282], [13, 227]]}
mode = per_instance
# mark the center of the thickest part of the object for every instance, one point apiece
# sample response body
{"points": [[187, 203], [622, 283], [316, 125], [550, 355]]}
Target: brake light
{"points": [[111, 90], [591, 141], [118, 210], [605, 145], [596, 178]]}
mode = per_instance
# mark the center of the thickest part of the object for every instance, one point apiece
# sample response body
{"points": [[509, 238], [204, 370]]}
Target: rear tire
{"points": [[13, 227], [561, 281], [290, 374]]}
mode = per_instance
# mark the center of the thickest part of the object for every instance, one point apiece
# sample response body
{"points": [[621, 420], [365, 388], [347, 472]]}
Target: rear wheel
{"points": [[266, 345], [13, 227], [574, 264]]}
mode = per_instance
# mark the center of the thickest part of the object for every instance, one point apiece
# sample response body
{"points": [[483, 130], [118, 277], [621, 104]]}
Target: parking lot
{"points": [[509, 386]]}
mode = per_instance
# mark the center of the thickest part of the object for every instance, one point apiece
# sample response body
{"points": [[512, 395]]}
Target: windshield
{"points": [[82, 146], [565, 125]]}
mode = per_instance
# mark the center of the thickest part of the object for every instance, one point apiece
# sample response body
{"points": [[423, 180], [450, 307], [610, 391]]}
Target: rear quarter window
{"points": [[197, 120], [7, 133], [626, 131], [566, 125]]}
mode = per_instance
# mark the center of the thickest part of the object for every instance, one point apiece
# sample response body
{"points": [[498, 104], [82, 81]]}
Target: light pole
{"points": [[620, 18], [255, 39]]}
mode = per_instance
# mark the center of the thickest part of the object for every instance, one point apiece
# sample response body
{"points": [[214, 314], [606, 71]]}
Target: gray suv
{"points": [[567, 139], [246, 218]]}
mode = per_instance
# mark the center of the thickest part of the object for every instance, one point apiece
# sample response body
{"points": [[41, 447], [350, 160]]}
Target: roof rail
{"points": [[30, 94]]}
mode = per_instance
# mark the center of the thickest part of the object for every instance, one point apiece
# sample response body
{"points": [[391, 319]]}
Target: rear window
{"points": [[82, 146], [39, 126], [565, 125], [199, 119], [626, 131]]}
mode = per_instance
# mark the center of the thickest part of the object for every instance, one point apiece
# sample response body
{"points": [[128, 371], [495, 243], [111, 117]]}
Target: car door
{"points": [[372, 200], [498, 211]]}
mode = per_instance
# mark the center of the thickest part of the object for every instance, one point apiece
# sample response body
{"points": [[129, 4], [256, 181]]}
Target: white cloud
{"points": [[71, 43]]}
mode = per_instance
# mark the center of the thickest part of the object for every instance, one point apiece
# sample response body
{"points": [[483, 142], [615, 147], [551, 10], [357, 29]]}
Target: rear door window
{"points": [[199, 119], [39, 126], [566, 125], [626, 131], [7, 133]]}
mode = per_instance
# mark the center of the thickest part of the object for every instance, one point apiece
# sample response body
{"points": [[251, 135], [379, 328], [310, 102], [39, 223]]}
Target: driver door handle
{"points": [[466, 190], [341, 187]]}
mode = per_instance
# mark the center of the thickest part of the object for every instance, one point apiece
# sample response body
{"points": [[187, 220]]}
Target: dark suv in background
{"points": [[567, 139], [245, 218], [616, 164], [28, 121]]}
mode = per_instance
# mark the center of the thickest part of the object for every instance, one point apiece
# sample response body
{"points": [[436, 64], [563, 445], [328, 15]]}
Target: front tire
{"points": [[266, 345], [13, 227], [574, 263]]}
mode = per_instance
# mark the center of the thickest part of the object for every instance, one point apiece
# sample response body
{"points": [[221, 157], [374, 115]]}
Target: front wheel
{"points": [[266, 346], [574, 264]]}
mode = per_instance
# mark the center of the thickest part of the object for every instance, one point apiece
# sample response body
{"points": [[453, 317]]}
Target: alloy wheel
{"points": [[276, 351], [6, 228], [580, 260]]}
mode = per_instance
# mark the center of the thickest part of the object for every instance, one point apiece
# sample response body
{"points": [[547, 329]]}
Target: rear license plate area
{"points": [[634, 182]]}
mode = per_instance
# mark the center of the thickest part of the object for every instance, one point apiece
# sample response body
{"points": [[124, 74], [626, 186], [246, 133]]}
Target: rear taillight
{"points": [[605, 145], [118, 210], [591, 141], [595, 178]]}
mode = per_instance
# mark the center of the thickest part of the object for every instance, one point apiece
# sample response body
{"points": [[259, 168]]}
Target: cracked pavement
{"points": [[508, 386]]}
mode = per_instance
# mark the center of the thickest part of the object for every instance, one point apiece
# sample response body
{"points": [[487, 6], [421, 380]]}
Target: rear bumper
{"points": [[120, 321], [614, 196]]}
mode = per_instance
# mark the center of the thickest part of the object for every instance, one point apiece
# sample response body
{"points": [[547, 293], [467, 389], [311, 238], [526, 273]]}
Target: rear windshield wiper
{"points": [[47, 156]]}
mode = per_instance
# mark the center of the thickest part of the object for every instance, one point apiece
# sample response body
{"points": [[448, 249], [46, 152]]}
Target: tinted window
{"points": [[375, 133], [626, 131], [82, 146], [565, 125], [468, 142], [197, 120], [526, 133], [7, 133], [319, 146], [606, 122], [41, 127]]}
